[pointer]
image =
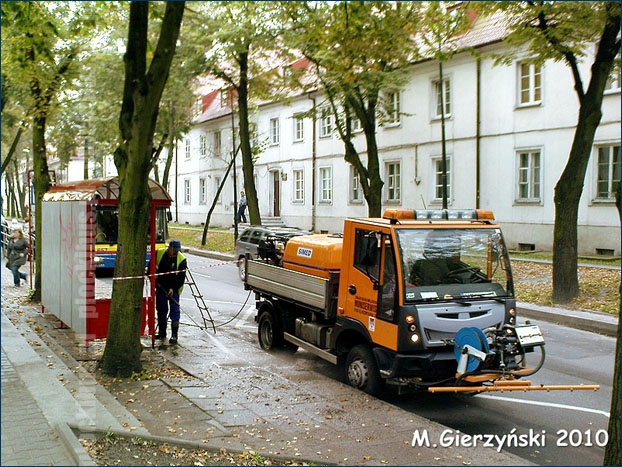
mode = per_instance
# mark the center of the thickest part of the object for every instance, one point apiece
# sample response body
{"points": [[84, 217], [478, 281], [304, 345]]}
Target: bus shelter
{"points": [[76, 217]]}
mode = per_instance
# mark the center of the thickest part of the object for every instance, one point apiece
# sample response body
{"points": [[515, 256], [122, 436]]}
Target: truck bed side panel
{"points": [[294, 286]]}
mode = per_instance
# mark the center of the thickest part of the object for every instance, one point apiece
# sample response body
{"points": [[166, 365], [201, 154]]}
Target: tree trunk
{"points": [[371, 180], [11, 152], [215, 200], [122, 352], [374, 197], [567, 196], [612, 450], [570, 185], [139, 112], [171, 148], [245, 144]]}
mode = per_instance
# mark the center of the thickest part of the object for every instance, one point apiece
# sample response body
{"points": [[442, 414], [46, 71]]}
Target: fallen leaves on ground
{"points": [[116, 450], [599, 287]]}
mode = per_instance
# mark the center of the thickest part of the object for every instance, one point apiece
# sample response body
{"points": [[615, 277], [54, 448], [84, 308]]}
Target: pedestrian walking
{"points": [[171, 266], [242, 208], [17, 255]]}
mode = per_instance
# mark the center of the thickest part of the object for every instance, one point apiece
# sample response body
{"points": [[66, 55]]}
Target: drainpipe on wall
{"points": [[477, 129], [313, 163], [176, 192]]}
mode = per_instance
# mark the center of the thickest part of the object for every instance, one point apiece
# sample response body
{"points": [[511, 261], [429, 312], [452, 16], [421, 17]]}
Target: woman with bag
{"points": [[17, 255]]}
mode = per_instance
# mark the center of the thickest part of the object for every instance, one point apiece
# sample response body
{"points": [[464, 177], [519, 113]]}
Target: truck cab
{"points": [[412, 280]]}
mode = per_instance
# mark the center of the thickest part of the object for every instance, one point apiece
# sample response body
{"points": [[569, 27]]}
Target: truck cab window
{"points": [[367, 253], [388, 290]]}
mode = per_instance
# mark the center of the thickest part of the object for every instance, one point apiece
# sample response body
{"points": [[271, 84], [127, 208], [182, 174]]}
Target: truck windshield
{"points": [[450, 264]]}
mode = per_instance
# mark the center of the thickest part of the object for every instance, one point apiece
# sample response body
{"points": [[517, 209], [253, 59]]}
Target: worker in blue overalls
{"points": [[171, 268]]}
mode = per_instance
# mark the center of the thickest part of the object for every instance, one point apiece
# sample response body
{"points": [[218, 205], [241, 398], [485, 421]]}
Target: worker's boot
{"points": [[161, 329], [174, 329]]}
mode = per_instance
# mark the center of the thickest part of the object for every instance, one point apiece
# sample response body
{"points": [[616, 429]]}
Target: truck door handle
{"points": [[351, 289]]}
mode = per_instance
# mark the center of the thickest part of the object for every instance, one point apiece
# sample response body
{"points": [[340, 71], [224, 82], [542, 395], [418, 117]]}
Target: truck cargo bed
{"points": [[297, 287]]}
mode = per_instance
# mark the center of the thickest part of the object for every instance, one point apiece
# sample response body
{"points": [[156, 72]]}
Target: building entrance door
{"points": [[276, 194]]}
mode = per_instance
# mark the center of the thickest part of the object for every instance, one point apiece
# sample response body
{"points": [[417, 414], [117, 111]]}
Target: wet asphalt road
{"points": [[568, 428]]}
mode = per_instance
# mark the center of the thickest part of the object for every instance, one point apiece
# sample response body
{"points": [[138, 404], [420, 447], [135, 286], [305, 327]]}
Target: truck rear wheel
{"points": [[269, 333], [362, 370]]}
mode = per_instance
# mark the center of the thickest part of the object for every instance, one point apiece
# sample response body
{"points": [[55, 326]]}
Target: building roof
{"points": [[484, 30], [98, 188]]}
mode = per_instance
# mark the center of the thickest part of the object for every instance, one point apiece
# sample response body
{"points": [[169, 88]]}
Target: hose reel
{"points": [[470, 349]]}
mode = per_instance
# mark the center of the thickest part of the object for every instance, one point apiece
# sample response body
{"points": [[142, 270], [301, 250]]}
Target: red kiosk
{"points": [[72, 216]]}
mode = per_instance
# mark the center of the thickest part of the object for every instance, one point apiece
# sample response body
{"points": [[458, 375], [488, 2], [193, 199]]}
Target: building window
{"points": [[187, 148], [216, 187], [203, 145], [355, 125], [252, 133], [442, 91], [392, 108], [529, 84], [613, 82], [608, 181], [438, 178], [326, 184], [299, 128], [217, 143], [326, 123], [393, 181], [202, 191], [275, 131], [187, 199], [529, 175], [299, 186], [356, 194]]}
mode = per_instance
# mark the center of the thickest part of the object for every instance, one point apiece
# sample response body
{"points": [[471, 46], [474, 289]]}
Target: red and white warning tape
{"points": [[146, 276]]}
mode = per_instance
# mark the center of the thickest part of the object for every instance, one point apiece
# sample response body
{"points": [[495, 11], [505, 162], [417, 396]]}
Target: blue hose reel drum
{"points": [[474, 337]]}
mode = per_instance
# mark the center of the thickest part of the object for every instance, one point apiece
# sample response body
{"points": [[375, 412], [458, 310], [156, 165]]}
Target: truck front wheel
{"points": [[362, 370], [270, 335]]}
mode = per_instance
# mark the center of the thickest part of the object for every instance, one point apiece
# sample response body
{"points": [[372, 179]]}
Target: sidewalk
{"points": [[225, 399], [42, 397]]}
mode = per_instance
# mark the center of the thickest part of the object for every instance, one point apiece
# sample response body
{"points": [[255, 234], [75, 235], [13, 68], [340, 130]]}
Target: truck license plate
{"points": [[529, 335]]}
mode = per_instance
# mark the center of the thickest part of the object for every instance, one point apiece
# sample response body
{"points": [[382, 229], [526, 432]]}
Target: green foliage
{"points": [[359, 50], [142, 375], [110, 437], [215, 240], [222, 31], [550, 30]]}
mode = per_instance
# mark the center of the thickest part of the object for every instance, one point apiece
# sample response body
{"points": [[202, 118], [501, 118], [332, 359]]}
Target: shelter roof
{"points": [[98, 188]]}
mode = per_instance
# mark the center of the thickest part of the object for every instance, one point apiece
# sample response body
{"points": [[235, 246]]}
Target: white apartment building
{"points": [[509, 130]]}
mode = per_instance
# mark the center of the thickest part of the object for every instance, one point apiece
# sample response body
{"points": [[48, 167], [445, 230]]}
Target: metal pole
{"points": [[235, 177], [444, 156]]}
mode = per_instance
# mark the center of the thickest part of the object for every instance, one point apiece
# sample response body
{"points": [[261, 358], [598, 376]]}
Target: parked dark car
{"points": [[248, 242]]}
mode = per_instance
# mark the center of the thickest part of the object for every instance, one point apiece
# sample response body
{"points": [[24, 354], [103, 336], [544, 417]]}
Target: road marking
{"points": [[228, 302], [244, 317], [545, 404], [202, 275]]}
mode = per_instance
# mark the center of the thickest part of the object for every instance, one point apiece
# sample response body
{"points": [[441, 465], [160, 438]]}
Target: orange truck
{"points": [[419, 299]]}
